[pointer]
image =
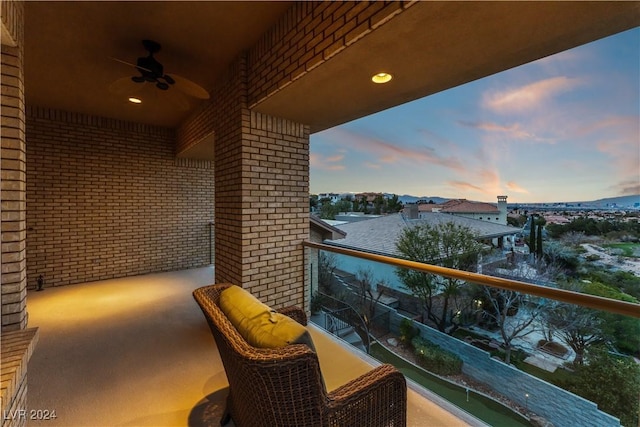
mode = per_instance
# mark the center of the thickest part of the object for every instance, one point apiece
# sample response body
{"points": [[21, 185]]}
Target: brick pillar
{"points": [[262, 208], [13, 171]]}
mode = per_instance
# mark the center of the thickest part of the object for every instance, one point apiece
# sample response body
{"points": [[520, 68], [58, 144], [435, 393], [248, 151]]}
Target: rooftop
{"points": [[379, 235], [460, 206]]}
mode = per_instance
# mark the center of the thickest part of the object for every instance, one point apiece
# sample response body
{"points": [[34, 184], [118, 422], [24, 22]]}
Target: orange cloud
{"points": [[512, 186], [388, 152], [465, 186], [513, 131], [619, 141], [528, 97], [326, 163]]}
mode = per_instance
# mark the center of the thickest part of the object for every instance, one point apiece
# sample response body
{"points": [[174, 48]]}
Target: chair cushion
{"points": [[258, 324]]}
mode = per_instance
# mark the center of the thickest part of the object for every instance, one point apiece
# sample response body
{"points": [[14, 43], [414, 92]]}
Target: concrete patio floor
{"points": [[137, 352]]}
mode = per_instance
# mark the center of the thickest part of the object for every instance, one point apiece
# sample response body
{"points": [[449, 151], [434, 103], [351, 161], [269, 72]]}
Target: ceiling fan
{"points": [[151, 72]]}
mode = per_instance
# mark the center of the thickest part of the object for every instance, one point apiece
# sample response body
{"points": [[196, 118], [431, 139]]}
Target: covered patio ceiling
{"points": [[429, 48]]}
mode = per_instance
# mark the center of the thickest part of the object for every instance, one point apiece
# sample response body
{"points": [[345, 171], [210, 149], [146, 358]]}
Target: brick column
{"points": [[13, 170], [262, 208]]}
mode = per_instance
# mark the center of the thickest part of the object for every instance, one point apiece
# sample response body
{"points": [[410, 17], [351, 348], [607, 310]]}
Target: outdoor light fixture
{"points": [[135, 100], [381, 78]]}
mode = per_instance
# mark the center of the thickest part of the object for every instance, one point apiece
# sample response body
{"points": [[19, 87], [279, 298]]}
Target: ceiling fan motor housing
{"points": [[150, 69]]}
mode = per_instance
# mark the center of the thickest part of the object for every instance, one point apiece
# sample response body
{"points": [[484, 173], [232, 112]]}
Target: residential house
{"points": [[470, 209]]}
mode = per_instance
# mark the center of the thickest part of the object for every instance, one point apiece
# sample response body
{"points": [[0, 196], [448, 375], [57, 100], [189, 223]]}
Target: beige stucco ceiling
{"points": [[429, 48]]}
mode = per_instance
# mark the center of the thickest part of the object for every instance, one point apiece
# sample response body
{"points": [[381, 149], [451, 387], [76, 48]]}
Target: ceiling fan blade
{"points": [[129, 64], [190, 88], [125, 86], [176, 98]]}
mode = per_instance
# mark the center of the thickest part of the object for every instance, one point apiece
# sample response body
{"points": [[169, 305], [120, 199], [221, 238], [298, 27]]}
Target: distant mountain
{"points": [[621, 202], [629, 201]]}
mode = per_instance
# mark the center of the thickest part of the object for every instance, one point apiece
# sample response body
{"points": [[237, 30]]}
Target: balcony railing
{"points": [[341, 317], [586, 300], [541, 360]]}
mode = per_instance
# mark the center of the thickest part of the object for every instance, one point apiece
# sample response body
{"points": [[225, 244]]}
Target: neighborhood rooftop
{"points": [[379, 235]]}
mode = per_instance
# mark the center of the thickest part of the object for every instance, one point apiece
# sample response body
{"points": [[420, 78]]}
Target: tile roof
{"points": [[325, 228], [460, 206], [379, 235]]}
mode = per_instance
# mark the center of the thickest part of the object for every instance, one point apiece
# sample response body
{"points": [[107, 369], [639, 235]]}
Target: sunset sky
{"points": [[564, 128]]}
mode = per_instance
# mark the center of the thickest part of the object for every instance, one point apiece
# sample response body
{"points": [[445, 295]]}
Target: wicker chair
{"points": [[284, 387]]}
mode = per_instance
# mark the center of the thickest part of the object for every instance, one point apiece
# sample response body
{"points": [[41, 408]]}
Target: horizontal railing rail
{"points": [[586, 300]]}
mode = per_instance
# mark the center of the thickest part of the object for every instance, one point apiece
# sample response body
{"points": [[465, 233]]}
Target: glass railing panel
{"points": [[506, 357]]}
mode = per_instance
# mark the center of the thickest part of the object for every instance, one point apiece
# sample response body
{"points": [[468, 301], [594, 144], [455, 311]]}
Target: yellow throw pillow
{"points": [[258, 324]]}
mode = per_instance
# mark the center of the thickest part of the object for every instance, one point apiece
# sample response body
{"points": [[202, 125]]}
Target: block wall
{"points": [[13, 172], [109, 199], [560, 407]]}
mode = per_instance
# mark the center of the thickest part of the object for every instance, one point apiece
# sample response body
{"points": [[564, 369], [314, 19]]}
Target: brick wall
{"points": [[109, 199], [262, 163], [276, 214], [309, 34], [13, 179]]}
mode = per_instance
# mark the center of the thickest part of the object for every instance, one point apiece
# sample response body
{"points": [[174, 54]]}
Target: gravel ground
{"points": [[606, 258]]}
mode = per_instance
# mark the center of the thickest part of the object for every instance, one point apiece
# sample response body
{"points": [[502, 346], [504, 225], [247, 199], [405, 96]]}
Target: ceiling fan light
{"points": [[138, 79], [162, 86], [169, 79]]}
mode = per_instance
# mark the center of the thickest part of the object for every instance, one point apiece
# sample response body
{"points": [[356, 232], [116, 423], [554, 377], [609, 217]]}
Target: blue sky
{"points": [[563, 128]]}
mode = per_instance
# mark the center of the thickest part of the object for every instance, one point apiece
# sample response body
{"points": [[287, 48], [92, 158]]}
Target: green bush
{"points": [[407, 331], [610, 381], [436, 359]]}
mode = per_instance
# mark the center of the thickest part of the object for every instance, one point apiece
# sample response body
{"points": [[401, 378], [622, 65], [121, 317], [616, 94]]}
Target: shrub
{"points": [[610, 381], [407, 331], [436, 359]]}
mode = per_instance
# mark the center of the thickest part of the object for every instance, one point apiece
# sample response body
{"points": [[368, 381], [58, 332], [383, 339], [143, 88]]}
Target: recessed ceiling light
{"points": [[135, 100], [382, 78]]}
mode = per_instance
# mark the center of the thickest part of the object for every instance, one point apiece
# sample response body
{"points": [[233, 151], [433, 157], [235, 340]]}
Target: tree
{"points": [[622, 331], [313, 201], [610, 381], [343, 205], [578, 327], [447, 245], [511, 314], [368, 301], [393, 204], [327, 263], [532, 235], [539, 251], [378, 204], [328, 211]]}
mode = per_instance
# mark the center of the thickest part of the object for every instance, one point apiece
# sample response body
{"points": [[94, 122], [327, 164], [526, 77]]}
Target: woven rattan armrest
{"points": [[378, 397], [296, 313]]}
